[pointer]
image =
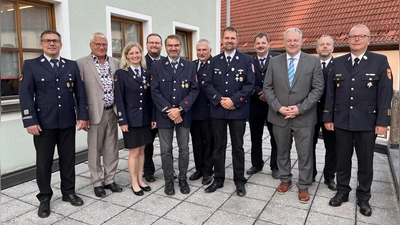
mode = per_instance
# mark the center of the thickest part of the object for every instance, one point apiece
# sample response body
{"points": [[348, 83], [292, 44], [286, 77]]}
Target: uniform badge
{"points": [[208, 61], [115, 78], [365, 57], [181, 64], [21, 78], [186, 102], [183, 84], [42, 60], [221, 57], [186, 85], [338, 85], [369, 85], [68, 85], [237, 77], [145, 86], [241, 79], [148, 84], [119, 113], [241, 99], [240, 71], [26, 111], [389, 112], [72, 84], [134, 77], [389, 73], [237, 57], [233, 69], [252, 67]]}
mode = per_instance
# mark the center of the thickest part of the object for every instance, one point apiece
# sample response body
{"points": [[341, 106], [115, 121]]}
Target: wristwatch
{"points": [[181, 110]]}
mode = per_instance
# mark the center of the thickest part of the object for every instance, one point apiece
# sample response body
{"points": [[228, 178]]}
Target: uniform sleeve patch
{"points": [[389, 73], [186, 102], [21, 78], [389, 112], [115, 78]]}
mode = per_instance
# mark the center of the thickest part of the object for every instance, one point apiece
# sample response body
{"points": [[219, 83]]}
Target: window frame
{"points": [[123, 25]]}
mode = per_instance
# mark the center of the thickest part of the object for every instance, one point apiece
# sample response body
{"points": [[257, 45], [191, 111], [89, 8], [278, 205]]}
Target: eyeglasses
{"points": [[48, 41], [154, 43], [176, 46], [361, 37], [98, 45]]}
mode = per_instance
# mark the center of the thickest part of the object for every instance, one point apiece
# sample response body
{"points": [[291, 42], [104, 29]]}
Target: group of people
{"points": [[294, 94]]}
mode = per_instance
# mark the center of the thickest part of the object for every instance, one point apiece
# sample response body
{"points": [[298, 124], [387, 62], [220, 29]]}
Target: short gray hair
{"points": [[202, 41], [363, 26], [97, 34], [293, 30]]}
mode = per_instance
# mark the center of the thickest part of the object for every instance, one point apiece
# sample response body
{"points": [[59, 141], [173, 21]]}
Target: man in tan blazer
{"points": [[97, 71]]}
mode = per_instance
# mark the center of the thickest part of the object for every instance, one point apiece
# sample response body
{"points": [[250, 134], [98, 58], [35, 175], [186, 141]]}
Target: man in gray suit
{"points": [[97, 71], [293, 85]]}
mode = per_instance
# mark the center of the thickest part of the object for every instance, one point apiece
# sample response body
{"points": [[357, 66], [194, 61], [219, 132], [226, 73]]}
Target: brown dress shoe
{"points": [[304, 197], [284, 187]]}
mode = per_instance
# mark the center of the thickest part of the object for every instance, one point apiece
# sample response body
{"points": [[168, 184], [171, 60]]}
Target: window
{"points": [[186, 37], [124, 31], [22, 22]]}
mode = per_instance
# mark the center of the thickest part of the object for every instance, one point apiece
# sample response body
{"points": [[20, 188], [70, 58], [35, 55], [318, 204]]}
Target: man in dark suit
{"points": [[324, 49], [259, 108], [293, 85], [201, 127], [49, 87], [154, 47], [228, 85], [174, 90], [358, 108], [98, 70]]}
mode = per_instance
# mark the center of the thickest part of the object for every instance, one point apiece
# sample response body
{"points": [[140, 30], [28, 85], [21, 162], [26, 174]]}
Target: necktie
{"points": [[229, 59], [54, 61], [356, 61], [174, 63], [262, 62], [323, 65], [201, 64], [291, 71], [137, 72]]}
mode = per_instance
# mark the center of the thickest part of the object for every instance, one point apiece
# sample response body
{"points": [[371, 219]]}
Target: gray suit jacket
{"points": [[94, 90], [306, 90]]}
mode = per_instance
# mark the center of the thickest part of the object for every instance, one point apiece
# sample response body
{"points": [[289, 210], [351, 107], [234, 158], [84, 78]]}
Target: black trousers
{"points": [[257, 123], [45, 144], [237, 129], [330, 152], [148, 167], [201, 133], [364, 144]]}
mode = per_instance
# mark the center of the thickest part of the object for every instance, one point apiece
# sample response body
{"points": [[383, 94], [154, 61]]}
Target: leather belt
{"points": [[108, 107]]}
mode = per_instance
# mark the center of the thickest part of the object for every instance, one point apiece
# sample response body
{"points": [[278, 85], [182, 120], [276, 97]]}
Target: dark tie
{"points": [[201, 65], [174, 63], [137, 72], [229, 59], [55, 67], [262, 62], [356, 61], [323, 65]]}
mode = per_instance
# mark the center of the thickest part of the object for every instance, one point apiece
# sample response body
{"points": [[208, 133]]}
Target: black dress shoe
{"points": [[196, 175], [184, 187], [213, 187], [147, 188], [44, 208], [331, 184], [149, 178], [99, 192], [74, 199], [253, 170], [169, 188], [113, 187], [338, 199], [206, 180], [276, 174], [365, 208], [138, 193], [240, 190]]}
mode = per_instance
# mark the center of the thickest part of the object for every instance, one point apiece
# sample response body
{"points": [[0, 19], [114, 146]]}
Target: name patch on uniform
{"points": [[370, 74], [338, 75], [27, 117]]}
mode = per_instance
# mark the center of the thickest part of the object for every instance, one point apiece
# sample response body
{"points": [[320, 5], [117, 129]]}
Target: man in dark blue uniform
{"points": [[324, 49], [153, 46], [174, 90], [358, 108], [201, 127], [259, 108], [229, 84], [49, 87]]}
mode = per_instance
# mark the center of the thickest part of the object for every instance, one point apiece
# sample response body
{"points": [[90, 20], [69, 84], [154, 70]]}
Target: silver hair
{"points": [[97, 34], [201, 41], [293, 30]]}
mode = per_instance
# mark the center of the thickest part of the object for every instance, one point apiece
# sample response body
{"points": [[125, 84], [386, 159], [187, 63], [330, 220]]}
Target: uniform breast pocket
{"points": [[42, 84], [165, 83], [370, 82], [41, 108], [217, 77], [339, 81]]}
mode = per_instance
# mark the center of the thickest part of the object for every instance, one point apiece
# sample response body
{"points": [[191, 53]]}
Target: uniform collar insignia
{"points": [[42, 60]]}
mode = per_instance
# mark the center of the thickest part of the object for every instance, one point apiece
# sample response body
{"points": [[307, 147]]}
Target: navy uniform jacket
{"points": [[359, 100], [201, 107], [256, 105], [327, 72], [171, 90], [133, 98], [149, 62], [235, 81], [47, 98]]}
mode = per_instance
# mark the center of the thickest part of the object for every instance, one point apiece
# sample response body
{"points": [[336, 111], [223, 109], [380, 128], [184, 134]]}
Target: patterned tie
{"points": [[356, 61], [323, 65], [291, 71], [174, 63], [229, 59], [54, 61], [137, 72], [262, 62]]}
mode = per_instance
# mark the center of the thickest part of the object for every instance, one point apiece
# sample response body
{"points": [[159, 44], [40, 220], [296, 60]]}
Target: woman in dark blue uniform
{"points": [[134, 106]]}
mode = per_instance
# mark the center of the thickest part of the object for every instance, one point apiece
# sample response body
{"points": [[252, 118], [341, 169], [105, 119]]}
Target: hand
{"points": [[293, 111], [288, 112], [227, 103], [178, 120], [173, 113], [82, 125], [124, 128], [34, 130], [153, 125], [379, 130], [329, 126], [261, 96]]}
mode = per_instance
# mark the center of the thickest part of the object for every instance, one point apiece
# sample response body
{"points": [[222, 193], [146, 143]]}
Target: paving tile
{"points": [[259, 192], [382, 188], [321, 205], [290, 199], [21, 189], [5, 199], [122, 164], [383, 176], [126, 198], [81, 168], [283, 214], [65, 208], [69, 221], [123, 178], [97, 213], [213, 201], [315, 218], [31, 217], [32, 199], [163, 221], [157, 205], [244, 206], [14, 208], [379, 216], [178, 194], [132, 217], [228, 218], [383, 201], [184, 213]]}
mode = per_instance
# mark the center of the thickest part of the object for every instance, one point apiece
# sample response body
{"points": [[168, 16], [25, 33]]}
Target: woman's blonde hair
{"points": [[125, 64]]}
